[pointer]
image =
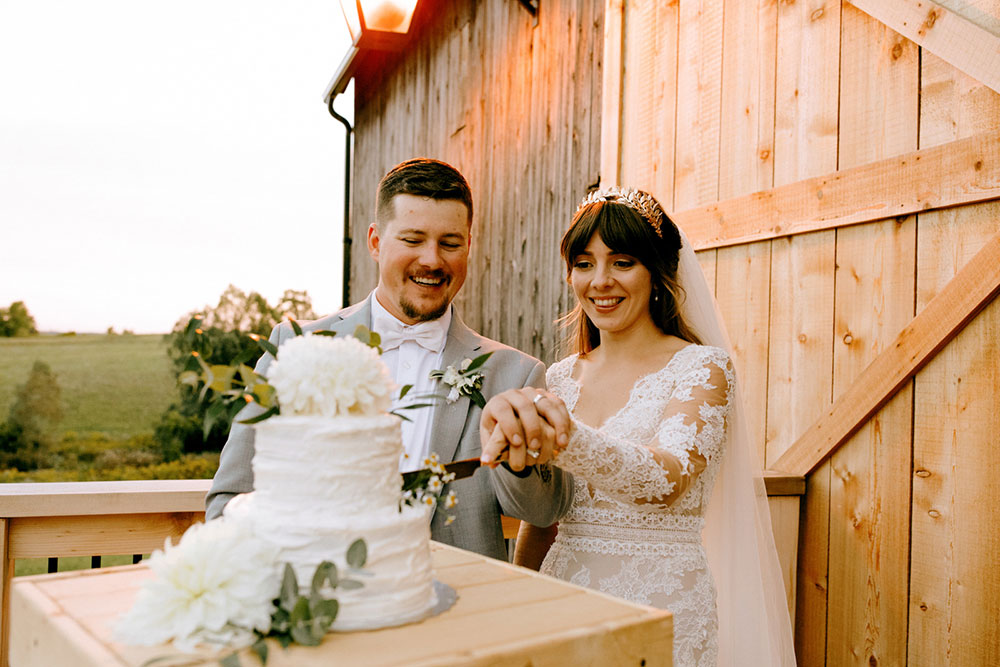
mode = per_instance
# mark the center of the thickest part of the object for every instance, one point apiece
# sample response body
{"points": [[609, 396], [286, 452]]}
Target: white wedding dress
{"points": [[645, 552]]}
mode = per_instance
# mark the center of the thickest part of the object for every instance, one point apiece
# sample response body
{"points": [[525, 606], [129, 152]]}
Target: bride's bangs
{"points": [[620, 228]]}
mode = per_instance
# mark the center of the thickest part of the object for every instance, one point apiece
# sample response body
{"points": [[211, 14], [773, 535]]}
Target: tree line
{"points": [[27, 436]]}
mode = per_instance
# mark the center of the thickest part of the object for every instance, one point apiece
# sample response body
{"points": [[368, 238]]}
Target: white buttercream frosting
{"points": [[322, 483]]}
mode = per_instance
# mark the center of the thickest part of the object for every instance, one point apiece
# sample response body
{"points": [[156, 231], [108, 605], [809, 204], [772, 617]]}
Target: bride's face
{"points": [[613, 288]]}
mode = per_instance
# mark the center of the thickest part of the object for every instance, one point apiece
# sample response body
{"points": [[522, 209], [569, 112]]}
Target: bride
{"points": [[668, 508]]}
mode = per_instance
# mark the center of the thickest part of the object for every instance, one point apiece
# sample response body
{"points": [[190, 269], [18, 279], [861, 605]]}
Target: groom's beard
{"points": [[411, 310], [422, 316]]}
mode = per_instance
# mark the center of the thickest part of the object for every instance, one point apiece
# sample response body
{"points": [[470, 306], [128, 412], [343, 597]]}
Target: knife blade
{"points": [[462, 469]]}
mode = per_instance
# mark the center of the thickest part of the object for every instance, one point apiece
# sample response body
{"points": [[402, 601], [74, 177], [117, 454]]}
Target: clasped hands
{"points": [[527, 426]]}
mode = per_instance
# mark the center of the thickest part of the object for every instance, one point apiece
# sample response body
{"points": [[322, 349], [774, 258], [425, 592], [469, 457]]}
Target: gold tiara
{"points": [[637, 200]]}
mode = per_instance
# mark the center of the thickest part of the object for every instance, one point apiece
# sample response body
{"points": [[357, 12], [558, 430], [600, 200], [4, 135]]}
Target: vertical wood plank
{"points": [[699, 97], [954, 583], [954, 586], [807, 79], [869, 490], [749, 54], [649, 102], [743, 277], [611, 91]]}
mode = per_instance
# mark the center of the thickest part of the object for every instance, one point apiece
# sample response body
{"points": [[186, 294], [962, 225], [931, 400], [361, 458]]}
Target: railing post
{"points": [[6, 574]]}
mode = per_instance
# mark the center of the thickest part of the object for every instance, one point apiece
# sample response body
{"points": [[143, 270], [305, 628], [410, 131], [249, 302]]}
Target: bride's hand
{"points": [[519, 417]]}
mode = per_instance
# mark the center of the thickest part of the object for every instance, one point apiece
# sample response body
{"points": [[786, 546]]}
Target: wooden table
{"points": [[505, 615]]}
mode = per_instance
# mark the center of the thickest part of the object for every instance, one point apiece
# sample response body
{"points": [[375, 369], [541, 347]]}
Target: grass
{"points": [[116, 385], [26, 566]]}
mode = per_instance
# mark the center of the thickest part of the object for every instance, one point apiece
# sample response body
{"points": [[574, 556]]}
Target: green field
{"points": [[116, 385]]}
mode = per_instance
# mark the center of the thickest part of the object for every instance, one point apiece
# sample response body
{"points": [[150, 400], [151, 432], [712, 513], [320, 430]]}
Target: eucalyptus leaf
{"points": [[300, 612], [221, 377], [331, 334], [405, 390], [231, 660], [357, 554], [295, 326], [477, 398], [235, 407], [325, 572], [321, 625], [400, 415], [289, 589], [302, 634], [212, 415], [285, 640], [260, 648], [350, 585], [261, 417], [263, 393], [325, 609]]}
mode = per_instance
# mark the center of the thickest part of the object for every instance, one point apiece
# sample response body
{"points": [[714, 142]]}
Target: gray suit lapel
{"points": [[449, 418]]}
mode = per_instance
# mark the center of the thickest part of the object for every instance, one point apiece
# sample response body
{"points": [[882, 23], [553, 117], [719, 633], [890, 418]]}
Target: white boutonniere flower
{"points": [[466, 380]]}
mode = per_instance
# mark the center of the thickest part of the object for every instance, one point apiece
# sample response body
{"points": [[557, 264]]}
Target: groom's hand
{"points": [[531, 424]]}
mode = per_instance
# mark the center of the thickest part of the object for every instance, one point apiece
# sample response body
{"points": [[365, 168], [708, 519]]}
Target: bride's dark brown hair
{"points": [[624, 230]]}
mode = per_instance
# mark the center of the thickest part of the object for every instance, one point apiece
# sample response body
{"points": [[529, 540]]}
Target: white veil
{"points": [[754, 625]]}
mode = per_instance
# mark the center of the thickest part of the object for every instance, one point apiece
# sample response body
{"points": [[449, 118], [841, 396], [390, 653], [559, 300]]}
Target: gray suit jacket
{"points": [[540, 497]]}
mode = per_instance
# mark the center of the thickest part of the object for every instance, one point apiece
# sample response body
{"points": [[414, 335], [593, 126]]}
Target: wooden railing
{"points": [[105, 518]]}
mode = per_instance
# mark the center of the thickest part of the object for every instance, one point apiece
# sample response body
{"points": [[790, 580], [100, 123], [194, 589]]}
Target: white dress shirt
{"points": [[410, 362]]}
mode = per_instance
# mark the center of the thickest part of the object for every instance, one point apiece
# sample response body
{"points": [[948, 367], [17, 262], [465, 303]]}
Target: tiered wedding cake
{"points": [[326, 472]]}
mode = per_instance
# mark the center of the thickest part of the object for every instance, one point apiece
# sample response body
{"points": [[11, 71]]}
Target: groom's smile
{"points": [[422, 256]]}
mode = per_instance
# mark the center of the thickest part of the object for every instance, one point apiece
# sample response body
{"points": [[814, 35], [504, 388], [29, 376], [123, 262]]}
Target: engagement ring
{"points": [[537, 398], [533, 454]]}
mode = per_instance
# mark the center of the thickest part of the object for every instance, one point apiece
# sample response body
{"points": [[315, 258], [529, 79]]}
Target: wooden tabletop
{"points": [[505, 615]]}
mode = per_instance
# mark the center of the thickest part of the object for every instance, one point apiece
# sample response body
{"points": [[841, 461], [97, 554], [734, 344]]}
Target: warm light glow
{"points": [[350, 8], [388, 15]]}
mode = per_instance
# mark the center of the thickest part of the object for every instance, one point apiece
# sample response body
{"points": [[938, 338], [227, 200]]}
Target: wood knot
{"points": [[872, 661], [922, 473], [819, 194], [817, 14], [934, 514], [932, 17], [978, 166], [897, 50], [848, 339], [764, 154], [803, 338], [923, 606]]}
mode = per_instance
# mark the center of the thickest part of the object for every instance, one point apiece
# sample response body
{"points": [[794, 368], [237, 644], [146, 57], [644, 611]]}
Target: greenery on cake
{"points": [[219, 587]]}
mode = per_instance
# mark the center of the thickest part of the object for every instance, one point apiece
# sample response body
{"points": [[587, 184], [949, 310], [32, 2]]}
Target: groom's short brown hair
{"points": [[422, 177]]}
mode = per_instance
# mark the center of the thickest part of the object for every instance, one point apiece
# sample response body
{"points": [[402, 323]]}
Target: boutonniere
{"points": [[466, 380]]}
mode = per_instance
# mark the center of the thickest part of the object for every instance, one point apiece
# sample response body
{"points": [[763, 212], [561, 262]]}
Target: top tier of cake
{"points": [[348, 465]]}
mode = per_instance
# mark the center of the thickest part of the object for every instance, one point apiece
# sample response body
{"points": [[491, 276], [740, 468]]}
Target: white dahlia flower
{"points": [[330, 377], [215, 586]]}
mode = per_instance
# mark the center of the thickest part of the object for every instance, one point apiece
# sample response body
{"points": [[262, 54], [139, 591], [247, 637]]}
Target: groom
{"points": [[420, 240]]}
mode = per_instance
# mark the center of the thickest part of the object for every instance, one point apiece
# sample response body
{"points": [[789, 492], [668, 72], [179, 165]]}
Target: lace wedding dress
{"points": [[614, 539]]}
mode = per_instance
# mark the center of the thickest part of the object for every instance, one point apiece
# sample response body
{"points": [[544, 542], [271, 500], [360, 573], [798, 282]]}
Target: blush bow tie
{"points": [[428, 335]]}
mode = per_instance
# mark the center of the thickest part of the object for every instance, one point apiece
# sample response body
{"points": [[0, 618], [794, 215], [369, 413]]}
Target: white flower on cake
{"points": [[215, 586], [330, 377]]}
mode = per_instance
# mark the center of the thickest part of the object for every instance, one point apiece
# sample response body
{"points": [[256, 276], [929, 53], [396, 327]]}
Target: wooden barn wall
{"points": [[515, 106], [900, 527]]}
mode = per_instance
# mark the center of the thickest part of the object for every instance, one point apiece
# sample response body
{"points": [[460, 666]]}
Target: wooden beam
{"points": [[83, 498], [92, 535], [611, 91], [948, 35], [966, 171], [963, 297]]}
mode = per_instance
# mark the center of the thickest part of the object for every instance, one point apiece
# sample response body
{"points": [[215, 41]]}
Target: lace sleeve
{"points": [[690, 434]]}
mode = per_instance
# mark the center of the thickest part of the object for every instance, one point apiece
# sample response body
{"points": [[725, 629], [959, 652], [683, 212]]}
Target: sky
{"points": [[152, 153]]}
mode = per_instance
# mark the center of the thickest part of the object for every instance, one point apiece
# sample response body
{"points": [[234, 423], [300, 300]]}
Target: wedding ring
{"points": [[533, 454], [539, 396]]}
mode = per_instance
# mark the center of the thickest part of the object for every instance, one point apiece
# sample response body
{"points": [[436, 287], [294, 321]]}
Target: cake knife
{"points": [[462, 469]]}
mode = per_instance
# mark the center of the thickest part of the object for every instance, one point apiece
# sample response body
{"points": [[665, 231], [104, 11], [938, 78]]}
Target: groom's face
{"points": [[422, 255]]}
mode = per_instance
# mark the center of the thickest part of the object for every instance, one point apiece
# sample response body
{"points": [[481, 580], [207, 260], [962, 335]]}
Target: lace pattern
{"points": [[648, 553]]}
